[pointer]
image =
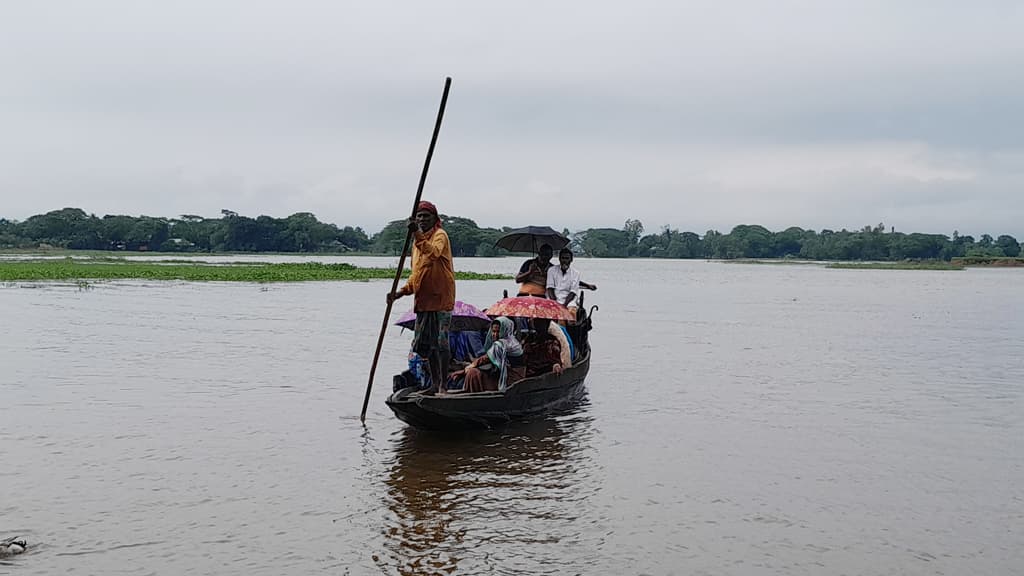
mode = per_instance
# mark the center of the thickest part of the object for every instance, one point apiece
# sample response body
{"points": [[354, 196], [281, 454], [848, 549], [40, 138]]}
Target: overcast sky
{"points": [[697, 115]]}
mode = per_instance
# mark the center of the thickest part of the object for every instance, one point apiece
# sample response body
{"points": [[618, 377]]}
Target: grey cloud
{"points": [[611, 109]]}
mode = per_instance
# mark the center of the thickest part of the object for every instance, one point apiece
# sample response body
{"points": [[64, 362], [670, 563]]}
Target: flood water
{"points": [[741, 419]]}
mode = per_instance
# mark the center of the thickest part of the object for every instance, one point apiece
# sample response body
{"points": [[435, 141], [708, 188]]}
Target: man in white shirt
{"points": [[564, 281]]}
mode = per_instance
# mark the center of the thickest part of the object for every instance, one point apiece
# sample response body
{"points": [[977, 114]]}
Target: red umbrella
{"points": [[530, 307]]}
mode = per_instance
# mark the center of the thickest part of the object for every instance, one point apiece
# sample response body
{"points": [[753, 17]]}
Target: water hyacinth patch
{"points": [[912, 265], [82, 269]]}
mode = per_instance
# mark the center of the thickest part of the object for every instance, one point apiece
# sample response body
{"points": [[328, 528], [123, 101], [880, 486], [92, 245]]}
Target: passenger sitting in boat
{"points": [[563, 281], [533, 274], [568, 340], [546, 349], [501, 363], [567, 348]]}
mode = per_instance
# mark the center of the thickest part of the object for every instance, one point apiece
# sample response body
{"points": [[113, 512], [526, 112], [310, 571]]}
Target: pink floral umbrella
{"points": [[530, 307]]}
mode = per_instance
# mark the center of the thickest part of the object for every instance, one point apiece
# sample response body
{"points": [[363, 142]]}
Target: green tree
{"points": [[916, 246], [712, 244], [236, 233], [195, 232], [874, 244], [606, 243], [115, 231], [68, 227], [301, 232], [747, 241], [789, 242], [486, 247], [353, 238], [267, 233], [391, 239], [654, 245], [147, 234], [684, 245], [463, 235], [1009, 245], [10, 234]]}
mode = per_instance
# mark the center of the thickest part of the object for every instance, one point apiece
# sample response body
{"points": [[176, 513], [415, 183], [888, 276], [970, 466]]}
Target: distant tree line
{"points": [[73, 228], [752, 241], [301, 232]]}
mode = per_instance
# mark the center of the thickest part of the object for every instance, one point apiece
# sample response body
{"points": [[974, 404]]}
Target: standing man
{"points": [[533, 274], [432, 283], [564, 281]]}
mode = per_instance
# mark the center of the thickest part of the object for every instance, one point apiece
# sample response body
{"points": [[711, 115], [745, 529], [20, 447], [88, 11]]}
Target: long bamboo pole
{"points": [[405, 247]]}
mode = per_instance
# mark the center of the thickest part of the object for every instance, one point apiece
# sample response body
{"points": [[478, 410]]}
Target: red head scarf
{"points": [[425, 206]]}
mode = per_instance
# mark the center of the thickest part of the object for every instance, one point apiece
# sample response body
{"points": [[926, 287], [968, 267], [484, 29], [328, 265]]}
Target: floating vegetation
{"points": [[990, 261], [82, 270], [907, 265], [772, 261]]}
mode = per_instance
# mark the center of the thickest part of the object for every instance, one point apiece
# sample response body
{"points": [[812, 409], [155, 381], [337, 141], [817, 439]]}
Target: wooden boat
{"points": [[523, 399]]}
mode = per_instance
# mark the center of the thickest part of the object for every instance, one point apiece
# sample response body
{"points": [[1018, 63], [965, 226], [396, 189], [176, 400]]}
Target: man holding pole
{"points": [[432, 283]]}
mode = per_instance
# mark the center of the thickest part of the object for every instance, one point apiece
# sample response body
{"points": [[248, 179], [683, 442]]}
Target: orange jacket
{"points": [[433, 276]]}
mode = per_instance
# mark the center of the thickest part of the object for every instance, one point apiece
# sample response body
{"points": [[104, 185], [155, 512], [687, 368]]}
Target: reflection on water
{"points": [[509, 500]]}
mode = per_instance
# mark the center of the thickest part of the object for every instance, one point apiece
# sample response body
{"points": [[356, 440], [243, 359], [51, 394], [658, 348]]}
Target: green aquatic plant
{"points": [[990, 261], [86, 269], [909, 265], [775, 262]]}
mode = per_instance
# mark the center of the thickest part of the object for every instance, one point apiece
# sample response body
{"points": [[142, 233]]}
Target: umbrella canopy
{"points": [[464, 317], [530, 307], [531, 238]]}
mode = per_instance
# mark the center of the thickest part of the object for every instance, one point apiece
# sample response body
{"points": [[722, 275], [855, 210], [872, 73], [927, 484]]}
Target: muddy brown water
{"points": [[741, 419]]}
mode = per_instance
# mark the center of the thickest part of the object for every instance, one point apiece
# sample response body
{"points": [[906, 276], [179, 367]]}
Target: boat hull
{"points": [[524, 399]]}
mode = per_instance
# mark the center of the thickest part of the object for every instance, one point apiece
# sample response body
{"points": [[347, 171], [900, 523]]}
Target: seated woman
{"points": [[501, 363], [546, 349]]}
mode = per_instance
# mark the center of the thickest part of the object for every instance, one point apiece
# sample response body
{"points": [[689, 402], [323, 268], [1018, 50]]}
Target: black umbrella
{"points": [[531, 238]]}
